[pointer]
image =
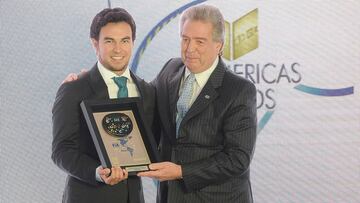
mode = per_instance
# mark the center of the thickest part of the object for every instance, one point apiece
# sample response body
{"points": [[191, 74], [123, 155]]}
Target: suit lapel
{"points": [[97, 83], [174, 85], [138, 82], [208, 93]]}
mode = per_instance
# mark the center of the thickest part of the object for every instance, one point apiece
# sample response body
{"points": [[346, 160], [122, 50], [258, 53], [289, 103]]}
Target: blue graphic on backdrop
{"points": [[259, 76], [325, 92], [147, 40]]}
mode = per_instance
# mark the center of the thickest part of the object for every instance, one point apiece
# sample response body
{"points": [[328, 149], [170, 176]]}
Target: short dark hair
{"points": [[111, 15]]}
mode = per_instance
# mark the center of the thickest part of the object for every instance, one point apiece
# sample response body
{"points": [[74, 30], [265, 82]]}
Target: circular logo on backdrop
{"points": [[117, 124]]}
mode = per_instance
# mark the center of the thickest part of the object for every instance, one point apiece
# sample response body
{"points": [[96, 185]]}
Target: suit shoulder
{"points": [[172, 65], [238, 82], [170, 68], [74, 89], [174, 62], [148, 87]]}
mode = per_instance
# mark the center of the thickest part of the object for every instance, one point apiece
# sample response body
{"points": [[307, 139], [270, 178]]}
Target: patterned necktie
{"points": [[121, 83], [184, 100]]}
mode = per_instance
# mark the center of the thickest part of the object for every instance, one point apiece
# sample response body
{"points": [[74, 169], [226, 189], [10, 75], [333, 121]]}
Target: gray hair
{"points": [[206, 13]]}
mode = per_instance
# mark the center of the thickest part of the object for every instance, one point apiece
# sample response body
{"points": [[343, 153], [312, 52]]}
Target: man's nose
{"points": [[117, 47], [191, 46]]}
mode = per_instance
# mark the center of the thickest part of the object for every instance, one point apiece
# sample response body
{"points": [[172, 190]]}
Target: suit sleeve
{"points": [[239, 131], [156, 129], [66, 145], [157, 83]]}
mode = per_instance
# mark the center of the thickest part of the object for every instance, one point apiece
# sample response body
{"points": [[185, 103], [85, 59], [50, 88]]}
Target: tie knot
{"points": [[120, 81], [189, 81], [190, 78]]}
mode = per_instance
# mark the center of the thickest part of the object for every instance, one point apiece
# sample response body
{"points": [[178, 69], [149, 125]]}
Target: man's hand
{"points": [[73, 76], [117, 175], [163, 171]]}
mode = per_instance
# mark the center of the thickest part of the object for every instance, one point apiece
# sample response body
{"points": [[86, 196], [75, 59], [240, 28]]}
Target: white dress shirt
{"points": [[113, 89], [200, 80]]}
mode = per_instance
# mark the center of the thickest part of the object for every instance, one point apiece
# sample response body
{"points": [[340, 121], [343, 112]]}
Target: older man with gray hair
{"points": [[207, 116]]}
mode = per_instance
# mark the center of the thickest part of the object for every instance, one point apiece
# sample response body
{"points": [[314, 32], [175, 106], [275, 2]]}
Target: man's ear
{"points": [[95, 45], [221, 48]]}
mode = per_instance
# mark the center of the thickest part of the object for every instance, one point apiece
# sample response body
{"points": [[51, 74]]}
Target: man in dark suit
{"points": [[112, 34], [208, 118]]}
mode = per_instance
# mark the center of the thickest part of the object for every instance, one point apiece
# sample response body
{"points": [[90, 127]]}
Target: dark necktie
{"points": [[121, 83]]}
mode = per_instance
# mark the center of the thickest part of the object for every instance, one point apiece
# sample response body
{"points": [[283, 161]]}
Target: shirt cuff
{"points": [[97, 176]]}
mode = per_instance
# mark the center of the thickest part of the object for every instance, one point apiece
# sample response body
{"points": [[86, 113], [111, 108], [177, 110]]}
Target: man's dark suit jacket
{"points": [[73, 149], [216, 137]]}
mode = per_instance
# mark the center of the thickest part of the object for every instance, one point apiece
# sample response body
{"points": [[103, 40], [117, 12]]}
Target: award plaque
{"points": [[120, 135]]}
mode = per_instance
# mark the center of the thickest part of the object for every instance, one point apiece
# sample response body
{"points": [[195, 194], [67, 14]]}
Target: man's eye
{"points": [[185, 40]]}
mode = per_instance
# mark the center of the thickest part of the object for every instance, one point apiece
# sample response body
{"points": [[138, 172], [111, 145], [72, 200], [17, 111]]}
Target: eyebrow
{"points": [[196, 38], [110, 38], [127, 37]]}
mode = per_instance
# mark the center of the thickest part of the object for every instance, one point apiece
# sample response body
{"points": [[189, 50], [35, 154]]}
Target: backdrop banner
{"points": [[303, 57]]}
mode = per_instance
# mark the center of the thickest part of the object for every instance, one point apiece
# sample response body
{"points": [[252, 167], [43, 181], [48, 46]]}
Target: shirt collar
{"points": [[108, 74], [203, 77]]}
